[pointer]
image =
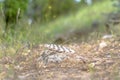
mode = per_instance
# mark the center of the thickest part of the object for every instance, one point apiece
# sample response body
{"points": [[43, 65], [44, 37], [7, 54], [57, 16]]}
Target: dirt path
{"points": [[91, 61]]}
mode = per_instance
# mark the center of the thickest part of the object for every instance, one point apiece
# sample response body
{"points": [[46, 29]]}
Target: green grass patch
{"points": [[44, 33], [83, 18]]}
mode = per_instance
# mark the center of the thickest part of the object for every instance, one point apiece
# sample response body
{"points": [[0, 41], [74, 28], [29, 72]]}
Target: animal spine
{"points": [[59, 48]]}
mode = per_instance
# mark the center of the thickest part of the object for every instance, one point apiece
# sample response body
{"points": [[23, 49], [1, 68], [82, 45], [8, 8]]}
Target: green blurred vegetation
{"points": [[52, 9], [11, 12], [48, 10], [46, 32], [116, 3], [75, 20]]}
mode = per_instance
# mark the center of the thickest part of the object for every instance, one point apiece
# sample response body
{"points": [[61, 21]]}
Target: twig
{"points": [[18, 14]]}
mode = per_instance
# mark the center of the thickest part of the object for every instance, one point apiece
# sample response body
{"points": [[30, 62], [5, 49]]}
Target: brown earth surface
{"points": [[94, 60]]}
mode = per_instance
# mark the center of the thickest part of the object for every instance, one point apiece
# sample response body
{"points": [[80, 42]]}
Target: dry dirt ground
{"points": [[94, 60]]}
